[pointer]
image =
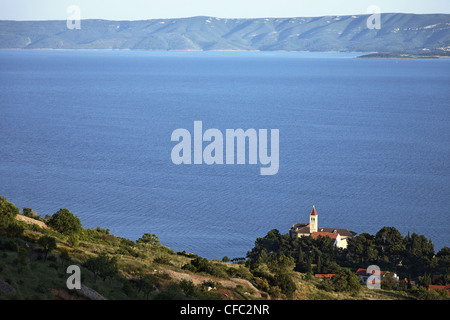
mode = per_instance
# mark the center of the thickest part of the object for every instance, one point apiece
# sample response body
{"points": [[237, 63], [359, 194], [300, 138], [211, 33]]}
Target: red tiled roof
{"points": [[435, 287], [332, 235], [313, 212], [363, 272], [303, 228], [324, 275]]}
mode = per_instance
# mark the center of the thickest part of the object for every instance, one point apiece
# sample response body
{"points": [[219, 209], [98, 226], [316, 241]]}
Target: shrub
{"points": [[74, 240], [48, 244], [240, 272], [14, 230], [345, 281], [65, 222], [100, 230], [35, 227], [325, 285], [209, 283], [8, 212], [128, 288], [173, 292], [422, 293], [23, 256], [149, 239], [64, 256], [285, 283], [204, 265], [261, 284], [189, 267], [11, 246], [102, 266], [188, 287], [126, 243], [162, 260], [28, 212], [275, 292], [187, 255]]}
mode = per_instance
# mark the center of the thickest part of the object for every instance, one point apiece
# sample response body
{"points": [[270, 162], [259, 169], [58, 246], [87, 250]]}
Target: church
{"points": [[312, 229]]}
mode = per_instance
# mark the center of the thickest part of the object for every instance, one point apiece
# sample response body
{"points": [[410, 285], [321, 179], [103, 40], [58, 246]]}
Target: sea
{"points": [[366, 141]]}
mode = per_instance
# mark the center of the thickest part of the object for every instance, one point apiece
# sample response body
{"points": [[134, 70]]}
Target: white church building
{"points": [[312, 229]]}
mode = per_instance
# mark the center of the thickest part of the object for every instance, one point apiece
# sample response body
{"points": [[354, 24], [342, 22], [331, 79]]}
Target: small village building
{"points": [[363, 275], [335, 236], [312, 229], [436, 287]]}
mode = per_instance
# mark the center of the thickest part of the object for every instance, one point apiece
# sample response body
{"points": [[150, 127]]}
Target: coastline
{"points": [[358, 55]]}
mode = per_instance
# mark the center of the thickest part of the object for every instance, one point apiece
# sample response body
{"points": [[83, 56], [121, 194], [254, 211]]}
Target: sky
{"points": [[161, 9]]}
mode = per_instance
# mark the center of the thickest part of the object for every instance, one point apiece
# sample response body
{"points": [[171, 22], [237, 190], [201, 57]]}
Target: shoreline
{"points": [[358, 55]]}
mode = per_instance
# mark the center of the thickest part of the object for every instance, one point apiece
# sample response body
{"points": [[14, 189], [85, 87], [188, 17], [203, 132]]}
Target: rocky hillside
{"points": [[399, 32]]}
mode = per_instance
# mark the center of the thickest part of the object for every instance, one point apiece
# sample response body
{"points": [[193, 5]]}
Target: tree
{"points": [[330, 267], [65, 222], [14, 230], [419, 246], [188, 287], [149, 239], [103, 266], [301, 265], [362, 250], [270, 243], [148, 284], [285, 283], [345, 281], [48, 244], [280, 262], [28, 212], [442, 263], [389, 282], [391, 243], [8, 212], [425, 280], [64, 256], [309, 265], [201, 264], [73, 240], [319, 265]]}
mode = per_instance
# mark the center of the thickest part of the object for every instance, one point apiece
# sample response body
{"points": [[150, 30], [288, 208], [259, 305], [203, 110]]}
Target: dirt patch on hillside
{"points": [[84, 294], [232, 283], [227, 294], [31, 221]]}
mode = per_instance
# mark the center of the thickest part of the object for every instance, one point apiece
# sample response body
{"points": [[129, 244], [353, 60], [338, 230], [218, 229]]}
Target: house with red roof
{"points": [[436, 287], [335, 236], [312, 229], [364, 274]]}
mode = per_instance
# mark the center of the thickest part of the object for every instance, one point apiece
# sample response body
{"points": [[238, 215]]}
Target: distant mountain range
{"points": [[399, 33]]}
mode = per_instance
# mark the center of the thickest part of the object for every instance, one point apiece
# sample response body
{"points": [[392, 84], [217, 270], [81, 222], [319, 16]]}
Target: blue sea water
{"points": [[365, 140]]}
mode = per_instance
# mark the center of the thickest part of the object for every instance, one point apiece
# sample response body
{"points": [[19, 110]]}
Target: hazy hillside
{"points": [[399, 32]]}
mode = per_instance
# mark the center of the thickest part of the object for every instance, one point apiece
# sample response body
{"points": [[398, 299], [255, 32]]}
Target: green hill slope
{"points": [[116, 268]]}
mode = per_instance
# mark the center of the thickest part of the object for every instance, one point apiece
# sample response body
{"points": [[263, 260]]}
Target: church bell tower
{"points": [[313, 221]]}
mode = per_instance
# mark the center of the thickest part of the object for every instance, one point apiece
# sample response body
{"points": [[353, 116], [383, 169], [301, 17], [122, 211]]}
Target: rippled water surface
{"points": [[365, 140]]}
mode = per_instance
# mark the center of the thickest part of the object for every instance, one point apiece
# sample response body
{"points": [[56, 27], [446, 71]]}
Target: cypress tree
{"points": [[319, 265]]}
